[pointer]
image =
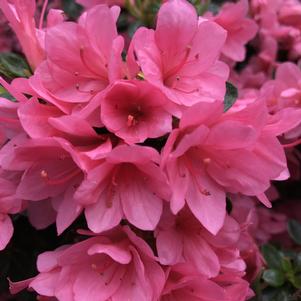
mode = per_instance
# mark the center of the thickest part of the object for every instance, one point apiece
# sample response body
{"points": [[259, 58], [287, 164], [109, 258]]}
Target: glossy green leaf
{"points": [[272, 256], [287, 265], [72, 9], [230, 97], [294, 230], [297, 263], [5, 94], [13, 65], [273, 277]]}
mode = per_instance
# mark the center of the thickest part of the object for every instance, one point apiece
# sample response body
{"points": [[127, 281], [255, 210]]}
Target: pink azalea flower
{"points": [[283, 97], [40, 120], [9, 122], [127, 184], [240, 29], [181, 238], [134, 111], [180, 56], [9, 204], [262, 222], [245, 212], [279, 20], [82, 58], [51, 168], [6, 40], [115, 266], [212, 153], [20, 14], [235, 287], [182, 285], [260, 68]]}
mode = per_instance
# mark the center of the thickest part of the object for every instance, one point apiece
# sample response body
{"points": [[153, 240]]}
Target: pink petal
{"points": [[141, 206], [169, 246], [200, 254], [209, 208], [176, 26], [6, 231]]}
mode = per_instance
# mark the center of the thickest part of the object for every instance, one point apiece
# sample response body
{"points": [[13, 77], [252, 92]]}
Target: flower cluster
{"points": [[146, 148]]}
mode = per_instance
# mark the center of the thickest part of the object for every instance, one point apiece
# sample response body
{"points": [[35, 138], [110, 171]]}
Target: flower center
{"points": [[134, 116]]}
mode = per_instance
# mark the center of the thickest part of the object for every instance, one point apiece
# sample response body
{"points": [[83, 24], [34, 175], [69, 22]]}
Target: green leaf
{"points": [[276, 294], [297, 263], [273, 277], [72, 9], [13, 65], [5, 94], [296, 281], [214, 8], [283, 296], [272, 256], [230, 97], [294, 230], [287, 265]]}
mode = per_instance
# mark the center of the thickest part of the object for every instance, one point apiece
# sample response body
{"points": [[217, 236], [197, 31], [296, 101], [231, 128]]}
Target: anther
{"points": [[44, 174], [140, 75], [206, 160], [205, 192], [131, 121]]}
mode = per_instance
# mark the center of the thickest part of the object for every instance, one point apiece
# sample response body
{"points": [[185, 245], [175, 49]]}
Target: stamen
{"points": [[44, 174], [140, 75], [62, 178], [205, 192], [43, 14], [206, 160], [131, 121]]}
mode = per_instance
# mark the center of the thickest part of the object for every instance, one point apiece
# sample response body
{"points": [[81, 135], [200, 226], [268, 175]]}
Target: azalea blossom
{"points": [[212, 153], [135, 110], [181, 57], [129, 184], [117, 265], [181, 238]]}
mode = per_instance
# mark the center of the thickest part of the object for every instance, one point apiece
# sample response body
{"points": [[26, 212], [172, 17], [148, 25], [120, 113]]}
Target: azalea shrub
{"points": [[149, 150]]}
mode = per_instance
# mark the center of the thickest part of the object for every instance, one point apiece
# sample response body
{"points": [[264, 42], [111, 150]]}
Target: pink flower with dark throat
{"points": [[135, 111]]}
